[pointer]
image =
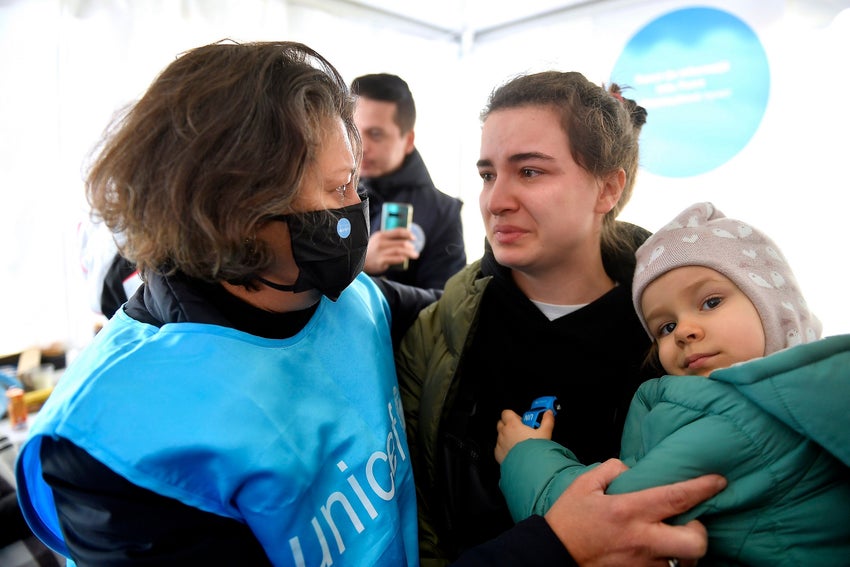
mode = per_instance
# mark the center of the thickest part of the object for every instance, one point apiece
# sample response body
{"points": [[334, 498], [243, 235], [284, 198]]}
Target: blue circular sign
{"points": [[703, 76]]}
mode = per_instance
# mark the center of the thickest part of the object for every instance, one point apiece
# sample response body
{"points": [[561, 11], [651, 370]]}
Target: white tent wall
{"points": [[788, 179], [67, 66]]}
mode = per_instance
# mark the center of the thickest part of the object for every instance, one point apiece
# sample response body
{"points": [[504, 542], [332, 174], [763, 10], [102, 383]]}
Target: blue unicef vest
{"points": [[302, 439]]}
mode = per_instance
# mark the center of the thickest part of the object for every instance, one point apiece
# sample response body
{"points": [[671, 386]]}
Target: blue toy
{"points": [[539, 406]]}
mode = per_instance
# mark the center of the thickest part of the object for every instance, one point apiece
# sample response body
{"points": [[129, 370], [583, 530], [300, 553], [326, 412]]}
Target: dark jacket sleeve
{"points": [[529, 543], [113, 294], [107, 520], [406, 301]]}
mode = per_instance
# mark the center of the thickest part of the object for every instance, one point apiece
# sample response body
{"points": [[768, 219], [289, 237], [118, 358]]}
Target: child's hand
{"points": [[512, 430]]}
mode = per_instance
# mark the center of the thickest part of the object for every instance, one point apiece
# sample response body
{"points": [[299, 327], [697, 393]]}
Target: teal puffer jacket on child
{"points": [[778, 428]]}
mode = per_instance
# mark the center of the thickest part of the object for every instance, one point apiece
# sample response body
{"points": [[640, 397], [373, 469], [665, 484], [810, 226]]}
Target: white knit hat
{"points": [[703, 236]]}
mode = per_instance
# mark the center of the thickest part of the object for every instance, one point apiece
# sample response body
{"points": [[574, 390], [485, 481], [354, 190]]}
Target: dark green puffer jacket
{"points": [[464, 294]]}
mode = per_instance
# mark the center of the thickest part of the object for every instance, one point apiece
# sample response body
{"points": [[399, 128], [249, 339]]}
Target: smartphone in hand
{"points": [[395, 215]]}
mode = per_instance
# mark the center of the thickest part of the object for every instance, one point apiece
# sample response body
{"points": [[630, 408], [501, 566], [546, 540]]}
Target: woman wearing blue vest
{"points": [[242, 407]]}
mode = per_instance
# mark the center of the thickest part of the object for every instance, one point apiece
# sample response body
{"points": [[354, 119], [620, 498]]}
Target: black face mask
{"points": [[329, 247]]}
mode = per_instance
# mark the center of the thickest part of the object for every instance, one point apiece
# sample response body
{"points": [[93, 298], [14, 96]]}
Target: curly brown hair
{"points": [[219, 143], [602, 128]]}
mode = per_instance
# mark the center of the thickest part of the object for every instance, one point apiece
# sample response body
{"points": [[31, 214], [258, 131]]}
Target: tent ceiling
{"points": [[461, 20]]}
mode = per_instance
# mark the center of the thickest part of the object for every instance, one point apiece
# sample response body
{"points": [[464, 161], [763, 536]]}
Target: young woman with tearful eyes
{"points": [[546, 312]]}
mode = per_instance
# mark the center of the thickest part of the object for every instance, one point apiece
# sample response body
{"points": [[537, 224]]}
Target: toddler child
{"points": [[723, 309]]}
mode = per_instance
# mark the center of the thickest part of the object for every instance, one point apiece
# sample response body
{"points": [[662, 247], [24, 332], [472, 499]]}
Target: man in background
{"points": [[393, 171]]}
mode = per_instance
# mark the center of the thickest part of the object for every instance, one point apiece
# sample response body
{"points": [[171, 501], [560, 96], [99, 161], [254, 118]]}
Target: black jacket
{"points": [[435, 212], [113, 295]]}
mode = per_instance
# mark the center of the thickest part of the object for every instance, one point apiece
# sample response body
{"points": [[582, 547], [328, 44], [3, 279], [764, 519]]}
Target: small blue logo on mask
{"points": [[343, 228]]}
